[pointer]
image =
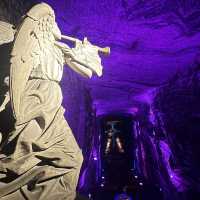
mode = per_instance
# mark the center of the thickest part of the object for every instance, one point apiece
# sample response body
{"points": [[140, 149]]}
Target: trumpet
{"points": [[104, 50]]}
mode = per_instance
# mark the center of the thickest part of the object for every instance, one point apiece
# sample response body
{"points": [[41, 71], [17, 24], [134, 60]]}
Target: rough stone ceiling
{"points": [[150, 41]]}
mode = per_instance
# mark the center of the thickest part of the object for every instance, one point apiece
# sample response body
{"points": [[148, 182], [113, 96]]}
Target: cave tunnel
{"points": [[139, 124]]}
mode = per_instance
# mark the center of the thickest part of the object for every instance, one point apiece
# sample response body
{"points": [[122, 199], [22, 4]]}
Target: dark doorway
{"points": [[116, 151]]}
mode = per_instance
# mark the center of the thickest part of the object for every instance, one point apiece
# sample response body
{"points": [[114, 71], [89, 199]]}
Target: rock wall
{"points": [[168, 137]]}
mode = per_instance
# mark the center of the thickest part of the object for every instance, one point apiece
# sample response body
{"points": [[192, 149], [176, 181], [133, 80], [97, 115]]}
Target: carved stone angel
{"points": [[45, 159]]}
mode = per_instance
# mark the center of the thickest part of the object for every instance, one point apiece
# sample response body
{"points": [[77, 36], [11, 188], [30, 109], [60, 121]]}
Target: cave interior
{"points": [[149, 95]]}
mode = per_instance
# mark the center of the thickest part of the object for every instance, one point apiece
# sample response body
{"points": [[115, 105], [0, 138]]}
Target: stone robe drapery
{"points": [[45, 160]]}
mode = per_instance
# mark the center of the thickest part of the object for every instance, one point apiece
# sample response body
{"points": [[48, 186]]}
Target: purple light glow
{"points": [[175, 178], [82, 179], [146, 97], [133, 110], [95, 158], [143, 155], [140, 183]]}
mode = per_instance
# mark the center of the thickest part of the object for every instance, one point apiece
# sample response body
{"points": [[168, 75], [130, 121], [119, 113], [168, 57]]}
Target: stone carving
{"points": [[44, 159], [7, 96]]}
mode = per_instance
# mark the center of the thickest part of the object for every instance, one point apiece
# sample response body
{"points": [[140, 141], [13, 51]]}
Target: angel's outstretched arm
{"points": [[71, 60], [84, 57]]}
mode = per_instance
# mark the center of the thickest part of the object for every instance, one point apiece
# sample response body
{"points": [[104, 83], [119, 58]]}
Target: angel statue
{"points": [[44, 159]]}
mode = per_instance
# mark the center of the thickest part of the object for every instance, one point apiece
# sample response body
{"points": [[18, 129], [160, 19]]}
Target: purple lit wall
{"points": [[150, 41]]}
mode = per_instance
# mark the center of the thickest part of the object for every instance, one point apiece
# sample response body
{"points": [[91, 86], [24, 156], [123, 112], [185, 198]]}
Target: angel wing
{"points": [[7, 32], [28, 44]]}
